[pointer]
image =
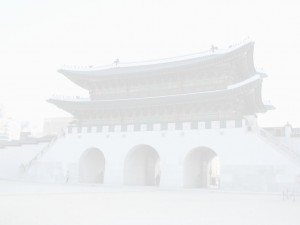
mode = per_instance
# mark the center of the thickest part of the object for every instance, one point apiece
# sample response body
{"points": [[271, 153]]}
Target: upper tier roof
{"points": [[83, 76]]}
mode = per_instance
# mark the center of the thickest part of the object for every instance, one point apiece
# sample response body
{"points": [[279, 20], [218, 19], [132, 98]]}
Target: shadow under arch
{"points": [[142, 166], [201, 168], [92, 166]]}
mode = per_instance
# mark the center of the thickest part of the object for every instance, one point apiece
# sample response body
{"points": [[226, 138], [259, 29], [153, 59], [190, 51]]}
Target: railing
{"points": [[40, 153], [267, 136], [179, 126]]}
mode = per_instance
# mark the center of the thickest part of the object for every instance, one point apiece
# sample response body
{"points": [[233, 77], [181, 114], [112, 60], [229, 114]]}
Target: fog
{"points": [[38, 37], [149, 112]]}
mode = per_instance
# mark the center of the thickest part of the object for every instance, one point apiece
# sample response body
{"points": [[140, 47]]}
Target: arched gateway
{"points": [[142, 166], [92, 166], [201, 168]]}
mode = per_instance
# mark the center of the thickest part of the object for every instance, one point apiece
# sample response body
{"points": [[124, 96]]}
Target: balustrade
{"points": [[223, 124]]}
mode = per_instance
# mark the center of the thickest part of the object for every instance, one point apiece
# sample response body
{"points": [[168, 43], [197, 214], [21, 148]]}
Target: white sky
{"points": [[39, 36]]}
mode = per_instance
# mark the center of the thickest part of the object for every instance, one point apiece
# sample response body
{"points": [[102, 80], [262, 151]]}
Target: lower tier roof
{"points": [[246, 93]]}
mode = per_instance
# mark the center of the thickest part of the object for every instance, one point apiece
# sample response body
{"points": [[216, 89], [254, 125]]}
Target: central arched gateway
{"points": [[201, 168], [142, 166], [92, 166]]}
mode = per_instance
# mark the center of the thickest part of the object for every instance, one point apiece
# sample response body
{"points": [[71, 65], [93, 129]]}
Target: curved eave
{"points": [[268, 107], [197, 97], [80, 76]]}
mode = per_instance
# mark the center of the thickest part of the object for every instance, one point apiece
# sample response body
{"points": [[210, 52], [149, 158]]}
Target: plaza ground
{"points": [[48, 204]]}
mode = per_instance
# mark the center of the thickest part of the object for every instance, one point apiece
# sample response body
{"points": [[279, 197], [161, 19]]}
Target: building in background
{"points": [[9, 128], [54, 126], [3, 131]]}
